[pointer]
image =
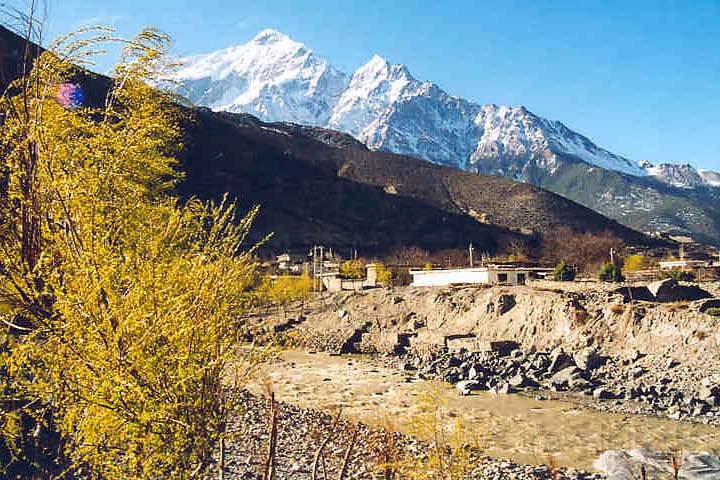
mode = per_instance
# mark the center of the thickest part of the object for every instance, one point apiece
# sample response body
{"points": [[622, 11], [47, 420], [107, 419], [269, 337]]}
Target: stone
{"points": [[563, 378], [559, 360], [580, 384], [671, 363], [588, 359], [505, 303], [520, 381], [602, 394], [713, 303], [504, 389], [637, 372], [701, 409], [501, 347], [459, 343], [708, 394], [669, 290], [467, 386]]}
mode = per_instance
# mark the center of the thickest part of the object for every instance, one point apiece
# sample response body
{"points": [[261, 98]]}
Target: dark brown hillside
{"points": [[303, 199], [490, 199]]}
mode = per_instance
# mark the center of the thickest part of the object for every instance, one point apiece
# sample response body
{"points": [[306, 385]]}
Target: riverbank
{"points": [[301, 431], [645, 357]]}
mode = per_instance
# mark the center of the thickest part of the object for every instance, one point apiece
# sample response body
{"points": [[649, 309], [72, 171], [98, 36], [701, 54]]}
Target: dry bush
{"points": [[582, 250], [408, 256]]}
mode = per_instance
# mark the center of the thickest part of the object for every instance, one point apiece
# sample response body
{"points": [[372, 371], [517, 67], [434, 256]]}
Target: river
{"points": [[515, 427]]}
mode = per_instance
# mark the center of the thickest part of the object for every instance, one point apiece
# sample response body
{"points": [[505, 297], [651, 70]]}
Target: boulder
{"points": [[669, 290], [501, 347], [624, 465], [588, 359], [458, 343], [602, 394], [505, 303], [521, 381], [631, 294], [713, 303], [559, 360], [467, 386], [564, 378]]}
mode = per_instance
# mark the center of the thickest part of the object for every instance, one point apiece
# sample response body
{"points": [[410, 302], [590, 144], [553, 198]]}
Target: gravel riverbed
{"points": [[300, 432]]}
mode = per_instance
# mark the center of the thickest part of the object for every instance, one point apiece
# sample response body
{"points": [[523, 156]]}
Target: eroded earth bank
{"points": [[568, 374]]}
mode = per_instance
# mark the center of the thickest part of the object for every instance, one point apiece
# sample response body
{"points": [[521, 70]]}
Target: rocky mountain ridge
{"points": [[382, 105]]}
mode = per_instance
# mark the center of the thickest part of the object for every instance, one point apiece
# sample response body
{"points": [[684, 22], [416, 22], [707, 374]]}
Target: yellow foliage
{"points": [[130, 299], [451, 446], [428, 266], [287, 288], [634, 263], [384, 275], [352, 269]]}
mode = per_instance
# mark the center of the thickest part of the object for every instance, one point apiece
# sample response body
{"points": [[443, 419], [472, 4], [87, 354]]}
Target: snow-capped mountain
{"points": [[381, 104], [272, 77], [711, 178], [680, 176]]}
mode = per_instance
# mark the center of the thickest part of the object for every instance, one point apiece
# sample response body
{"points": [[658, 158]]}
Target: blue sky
{"points": [[641, 78]]}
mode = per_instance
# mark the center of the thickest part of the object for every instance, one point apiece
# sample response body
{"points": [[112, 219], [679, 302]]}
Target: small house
{"points": [[492, 274]]}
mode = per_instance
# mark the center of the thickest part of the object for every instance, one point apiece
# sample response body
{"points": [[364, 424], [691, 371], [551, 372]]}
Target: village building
{"points": [[295, 264], [490, 274], [333, 282]]}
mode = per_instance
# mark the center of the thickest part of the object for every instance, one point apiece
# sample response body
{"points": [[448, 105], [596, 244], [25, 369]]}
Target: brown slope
{"points": [[304, 201], [493, 200]]}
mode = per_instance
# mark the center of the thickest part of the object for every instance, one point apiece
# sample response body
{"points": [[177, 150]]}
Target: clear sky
{"points": [[640, 78]]}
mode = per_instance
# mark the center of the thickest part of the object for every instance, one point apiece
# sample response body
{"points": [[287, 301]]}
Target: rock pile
{"points": [[584, 372]]}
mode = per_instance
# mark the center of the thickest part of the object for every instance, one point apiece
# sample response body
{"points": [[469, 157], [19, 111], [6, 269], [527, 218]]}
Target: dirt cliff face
{"points": [[541, 316]]}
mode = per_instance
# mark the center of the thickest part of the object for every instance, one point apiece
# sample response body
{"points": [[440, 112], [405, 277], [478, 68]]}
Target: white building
{"points": [[480, 275], [683, 264]]}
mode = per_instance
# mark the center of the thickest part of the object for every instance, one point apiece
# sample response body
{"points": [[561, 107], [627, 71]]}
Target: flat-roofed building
{"points": [[479, 275]]}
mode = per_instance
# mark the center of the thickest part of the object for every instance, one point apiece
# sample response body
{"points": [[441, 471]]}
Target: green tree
{"points": [[610, 272], [123, 302], [563, 273]]}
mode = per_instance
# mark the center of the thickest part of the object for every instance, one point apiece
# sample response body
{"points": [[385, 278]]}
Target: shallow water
{"points": [[513, 427]]}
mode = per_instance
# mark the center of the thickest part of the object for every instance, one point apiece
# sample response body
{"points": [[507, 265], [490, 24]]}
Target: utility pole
{"points": [[470, 249]]}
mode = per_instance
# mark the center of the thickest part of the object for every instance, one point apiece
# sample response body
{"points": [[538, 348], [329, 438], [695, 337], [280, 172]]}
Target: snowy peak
{"points": [[269, 36], [682, 176], [271, 76], [372, 91], [278, 79], [711, 178]]}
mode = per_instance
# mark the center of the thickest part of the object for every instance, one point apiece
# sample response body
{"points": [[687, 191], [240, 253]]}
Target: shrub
{"points": [[610, 272], [128, 299], [679, 275], [715, 311], [563, 273], [634, 263], [352, 269], [384, 275], [579, 249]]}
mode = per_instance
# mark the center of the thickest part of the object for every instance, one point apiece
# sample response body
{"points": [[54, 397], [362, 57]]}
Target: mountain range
{"points": [[317, 185], [383, 106]]}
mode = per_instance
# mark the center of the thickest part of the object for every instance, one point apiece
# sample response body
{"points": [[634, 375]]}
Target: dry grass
{"points": [[617, 308]]}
